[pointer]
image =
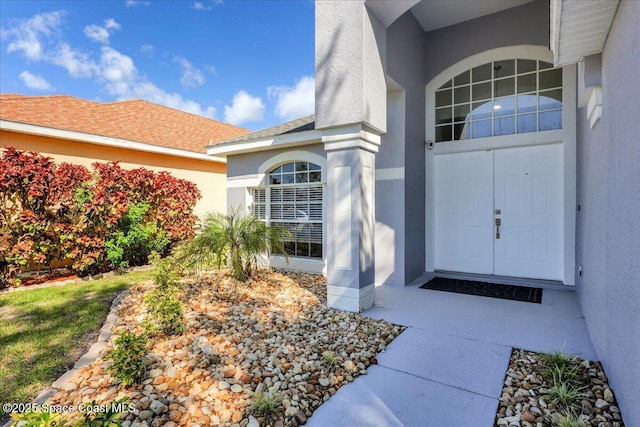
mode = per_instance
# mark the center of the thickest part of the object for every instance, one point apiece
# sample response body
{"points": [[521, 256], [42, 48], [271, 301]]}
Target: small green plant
{"points": [[38, 419], [570, 419], [166, 273], [128, 355], [111, 417], [565, 394], [371, 329], [561, 373], [265, 404], [165, 312], [558, 358], [329, 358]]}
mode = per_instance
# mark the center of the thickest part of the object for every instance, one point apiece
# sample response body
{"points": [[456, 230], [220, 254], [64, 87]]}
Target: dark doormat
{"points": [[485, 289]]}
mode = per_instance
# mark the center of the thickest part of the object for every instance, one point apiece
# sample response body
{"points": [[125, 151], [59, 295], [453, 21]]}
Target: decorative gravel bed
{"points": [[272, 334], [525, 399]]}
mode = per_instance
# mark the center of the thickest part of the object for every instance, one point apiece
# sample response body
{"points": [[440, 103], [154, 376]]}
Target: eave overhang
{"points": [[579, 28], [44, 131], [273, 143]]}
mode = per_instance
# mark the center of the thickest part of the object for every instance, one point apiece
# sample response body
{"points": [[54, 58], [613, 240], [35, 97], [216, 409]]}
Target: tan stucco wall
{"points": [[210, 177]]}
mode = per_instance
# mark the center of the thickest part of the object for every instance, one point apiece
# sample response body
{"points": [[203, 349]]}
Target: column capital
{"points": [[351, 136]]}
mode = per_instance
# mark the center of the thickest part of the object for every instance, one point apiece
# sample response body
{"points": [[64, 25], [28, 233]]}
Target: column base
{"points": [[350, 299]]}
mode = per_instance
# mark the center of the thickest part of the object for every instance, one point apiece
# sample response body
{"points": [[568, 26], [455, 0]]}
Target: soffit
{"points": [[580, 28], [434, 14]]}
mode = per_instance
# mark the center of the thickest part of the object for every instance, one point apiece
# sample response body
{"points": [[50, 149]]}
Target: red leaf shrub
{"points": [[65, 211]]}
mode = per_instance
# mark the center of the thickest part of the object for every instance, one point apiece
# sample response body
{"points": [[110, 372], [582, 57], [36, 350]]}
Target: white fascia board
{"points": [[579, 28], [555, 13], [104, 140], [279, 141]]}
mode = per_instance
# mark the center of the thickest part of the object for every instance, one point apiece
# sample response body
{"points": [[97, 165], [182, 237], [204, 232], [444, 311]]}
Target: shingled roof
{"points": [[294, 126], [134, 120]]}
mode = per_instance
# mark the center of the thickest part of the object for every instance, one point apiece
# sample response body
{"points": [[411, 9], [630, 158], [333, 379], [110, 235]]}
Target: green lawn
{"points": [[42, 331]]}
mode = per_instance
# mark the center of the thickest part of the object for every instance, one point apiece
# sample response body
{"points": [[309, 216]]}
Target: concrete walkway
{"points": [[448, 367]]}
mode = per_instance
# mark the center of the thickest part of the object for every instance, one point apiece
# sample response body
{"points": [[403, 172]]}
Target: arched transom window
{"points": [[505, 97], [293, 199]]}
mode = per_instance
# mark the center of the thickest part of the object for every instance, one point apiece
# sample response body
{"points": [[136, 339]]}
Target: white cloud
{"points": [[33, 81], [97, 33], [147, 49], [122, 80], [200, 6], [115, 66], [111, 24], [39, 39], [244, 108], [26, 36], [136, 3], [101, 34], [78, 64], [292, 102], [191, 76]]}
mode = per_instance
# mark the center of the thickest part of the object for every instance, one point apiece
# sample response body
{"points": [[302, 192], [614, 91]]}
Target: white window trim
{"points": [[311, 265], [566, 135]]}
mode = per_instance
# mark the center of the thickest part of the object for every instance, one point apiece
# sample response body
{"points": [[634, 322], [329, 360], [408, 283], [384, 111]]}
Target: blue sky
{"points": [[249, 63]]}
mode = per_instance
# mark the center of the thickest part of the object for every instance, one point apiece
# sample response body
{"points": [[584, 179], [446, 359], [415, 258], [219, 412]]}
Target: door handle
{"points": [[498, 222]]}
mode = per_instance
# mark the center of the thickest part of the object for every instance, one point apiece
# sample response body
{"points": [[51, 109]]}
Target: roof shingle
{"points": [[133, 120], [299, 125]]}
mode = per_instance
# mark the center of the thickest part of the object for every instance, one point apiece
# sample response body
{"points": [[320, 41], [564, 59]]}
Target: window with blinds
{"points": [[259, 205], [293, 200]]}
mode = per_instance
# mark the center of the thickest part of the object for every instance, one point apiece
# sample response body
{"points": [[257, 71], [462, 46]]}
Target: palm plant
{"points": [[235, 239]]}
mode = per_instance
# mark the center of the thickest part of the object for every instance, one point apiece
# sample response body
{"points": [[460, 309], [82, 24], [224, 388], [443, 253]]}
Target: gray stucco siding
{"points": [[405, 65], [248, 164], [522, 25], [247, 167], [608, 223]]}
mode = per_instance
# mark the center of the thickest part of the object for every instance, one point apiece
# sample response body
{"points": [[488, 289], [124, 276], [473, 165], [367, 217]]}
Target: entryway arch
{"points": [[500, 133]]}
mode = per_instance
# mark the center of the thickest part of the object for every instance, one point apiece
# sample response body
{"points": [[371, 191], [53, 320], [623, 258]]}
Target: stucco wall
{"points": [[390, 196], [608, 226], [243, 169], [405, 65], [349, 50], [208, 176], [526, 24], [247, 165]]}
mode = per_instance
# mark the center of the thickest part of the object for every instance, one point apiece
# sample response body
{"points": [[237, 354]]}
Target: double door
{"points": [[500, 212]]}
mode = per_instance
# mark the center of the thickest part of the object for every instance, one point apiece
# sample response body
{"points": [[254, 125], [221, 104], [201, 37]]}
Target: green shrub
{"points": [[166, 273], [165, 312], [135, 239], [39, 419], [128, 355], [235, 239], [111, 417]]}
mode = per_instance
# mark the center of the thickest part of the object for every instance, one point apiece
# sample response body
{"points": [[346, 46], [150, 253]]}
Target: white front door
{"points": [[522, 188], [464, 212]]}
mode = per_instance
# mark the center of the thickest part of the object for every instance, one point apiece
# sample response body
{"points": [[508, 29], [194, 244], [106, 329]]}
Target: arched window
{"points": [[504, 97], [293, 199]]}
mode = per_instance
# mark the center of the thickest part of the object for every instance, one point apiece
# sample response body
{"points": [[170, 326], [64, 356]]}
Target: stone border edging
{"points": [[88, 358]]}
